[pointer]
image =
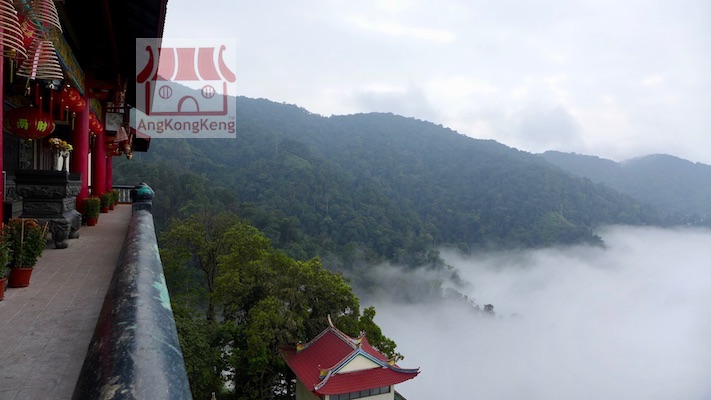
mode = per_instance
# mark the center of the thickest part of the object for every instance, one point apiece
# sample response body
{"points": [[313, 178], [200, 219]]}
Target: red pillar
{"points": [[109, 172], [2, 138], [79, 162], [98, 166]]}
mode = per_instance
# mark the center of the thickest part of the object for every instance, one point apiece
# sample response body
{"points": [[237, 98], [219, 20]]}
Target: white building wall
{"points": [[384, 396], [358, 364]]}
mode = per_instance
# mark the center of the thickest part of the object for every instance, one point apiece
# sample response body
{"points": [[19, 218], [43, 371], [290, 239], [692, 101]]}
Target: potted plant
{"points": [[4, 272], [61, 149], [27, 240], [106, 200], [4, 261], [116, 193], [92, 208]]}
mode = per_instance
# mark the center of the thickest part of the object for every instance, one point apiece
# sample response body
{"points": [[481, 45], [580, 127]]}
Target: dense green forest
{"points": [[265, 235], [361, 190], [679, 188], [236, 300], [364, 188]]}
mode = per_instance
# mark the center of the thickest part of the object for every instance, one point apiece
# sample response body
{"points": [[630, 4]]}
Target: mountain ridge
{"points": [[676, 186], [379, 186]]}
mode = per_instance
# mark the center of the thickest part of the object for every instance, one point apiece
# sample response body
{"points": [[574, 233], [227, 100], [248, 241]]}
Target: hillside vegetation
{"points": [[366, 188], [265, 236], [677, 187]]}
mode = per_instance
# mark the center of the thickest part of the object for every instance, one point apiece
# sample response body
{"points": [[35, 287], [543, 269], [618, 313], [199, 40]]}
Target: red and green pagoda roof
{"points": [[320, 364]]}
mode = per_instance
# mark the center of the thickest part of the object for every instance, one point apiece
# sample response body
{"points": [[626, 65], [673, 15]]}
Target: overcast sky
{"points": [[617, 79]]}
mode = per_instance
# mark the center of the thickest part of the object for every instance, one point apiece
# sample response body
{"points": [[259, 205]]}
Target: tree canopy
{"points": [[258, 299]]}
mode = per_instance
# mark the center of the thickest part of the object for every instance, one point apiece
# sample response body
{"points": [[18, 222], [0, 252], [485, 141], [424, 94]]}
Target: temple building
{"points": [[68, 73], [68, 86], [335, 366]]}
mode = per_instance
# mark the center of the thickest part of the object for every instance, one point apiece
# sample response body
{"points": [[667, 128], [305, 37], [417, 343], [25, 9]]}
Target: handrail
{"points": [[135, 353], [124, 192]]}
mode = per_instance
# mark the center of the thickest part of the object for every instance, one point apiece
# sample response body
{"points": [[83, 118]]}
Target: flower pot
{"points": [[3, 282], [19, 277], [91, 221], [111, 207], [104, 210]]}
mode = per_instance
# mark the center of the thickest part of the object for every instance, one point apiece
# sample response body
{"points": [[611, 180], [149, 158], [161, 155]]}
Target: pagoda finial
{"points": [[330, 323], [323, 372]]}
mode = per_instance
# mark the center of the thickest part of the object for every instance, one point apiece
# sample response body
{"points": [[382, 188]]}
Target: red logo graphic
{"points": [[166, 96]]}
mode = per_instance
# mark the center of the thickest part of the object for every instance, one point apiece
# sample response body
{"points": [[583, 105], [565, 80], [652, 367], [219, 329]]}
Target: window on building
{"points": [[362, 393]]}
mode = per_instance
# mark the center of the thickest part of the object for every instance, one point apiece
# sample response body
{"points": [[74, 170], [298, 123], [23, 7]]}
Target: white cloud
{"points": [[628, 322], [411, 101], [460, 86], [653, 80], [488, 60], [397, 29]]}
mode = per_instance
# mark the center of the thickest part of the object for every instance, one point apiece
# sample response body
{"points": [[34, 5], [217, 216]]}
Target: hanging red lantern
{"points": [[95, 125], [92, 122], [28, 122], [73, 100]]}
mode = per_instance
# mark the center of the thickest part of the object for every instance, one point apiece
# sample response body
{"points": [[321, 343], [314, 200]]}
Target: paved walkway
{"points": [[45, 328]]}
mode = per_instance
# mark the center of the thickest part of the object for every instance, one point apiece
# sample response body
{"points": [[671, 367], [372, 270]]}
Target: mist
{"points": [[628, 321]]}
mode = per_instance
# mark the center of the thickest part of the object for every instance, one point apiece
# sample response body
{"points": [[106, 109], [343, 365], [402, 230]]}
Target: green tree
{"points": [[259, 300], [375, 335], [197, 243], [200, 342]]}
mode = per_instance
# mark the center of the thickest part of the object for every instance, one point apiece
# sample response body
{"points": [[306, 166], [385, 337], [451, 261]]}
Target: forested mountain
{"points": [[343, 194], [671, 184], [373, 187]]}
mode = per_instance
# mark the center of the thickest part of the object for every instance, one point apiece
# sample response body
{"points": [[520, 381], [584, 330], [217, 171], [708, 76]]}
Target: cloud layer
{"points": [[631, 321]]}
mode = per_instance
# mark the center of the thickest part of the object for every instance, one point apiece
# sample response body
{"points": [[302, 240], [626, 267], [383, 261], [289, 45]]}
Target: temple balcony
{"points": [[95, 321]]}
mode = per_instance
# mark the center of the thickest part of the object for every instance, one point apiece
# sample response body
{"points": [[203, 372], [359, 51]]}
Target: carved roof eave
{"points": [[329, 372]]}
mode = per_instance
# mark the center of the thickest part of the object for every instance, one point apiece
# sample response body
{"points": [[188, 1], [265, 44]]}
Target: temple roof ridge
{"points": [[352, 342], [322, 364], [327, 373]]}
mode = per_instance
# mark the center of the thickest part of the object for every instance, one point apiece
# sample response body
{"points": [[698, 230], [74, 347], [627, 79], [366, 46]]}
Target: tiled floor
{"points": [[45, 328]]}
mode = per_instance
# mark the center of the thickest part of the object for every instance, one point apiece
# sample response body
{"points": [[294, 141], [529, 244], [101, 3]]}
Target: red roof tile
{"points": [[324, 353], [317, 364], [364, 379]]}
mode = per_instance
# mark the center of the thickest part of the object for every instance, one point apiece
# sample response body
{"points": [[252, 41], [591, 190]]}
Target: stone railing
{"points": [[135, 353], [124, 192]]}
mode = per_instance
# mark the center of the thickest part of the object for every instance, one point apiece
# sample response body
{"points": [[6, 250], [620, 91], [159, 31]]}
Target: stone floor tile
{"points": [[46, 327]]}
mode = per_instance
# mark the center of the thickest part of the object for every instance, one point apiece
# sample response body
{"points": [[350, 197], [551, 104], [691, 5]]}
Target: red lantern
{"points": [[92, 122], [95, 125], [73, 100], [28, 122]]}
